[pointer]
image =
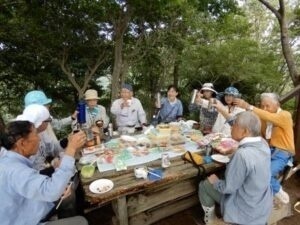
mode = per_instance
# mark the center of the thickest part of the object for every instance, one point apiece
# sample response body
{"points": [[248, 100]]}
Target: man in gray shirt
{"points": [[128, 110], [245, 194]]}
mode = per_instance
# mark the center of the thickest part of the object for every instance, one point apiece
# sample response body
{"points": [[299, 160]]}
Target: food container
{"points": [[141, 172], [165, 160]]}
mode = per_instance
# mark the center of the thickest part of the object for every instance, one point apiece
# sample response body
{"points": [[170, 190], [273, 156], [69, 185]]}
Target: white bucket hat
{"points": [[36, 114], [91, 94], [208, 87]]}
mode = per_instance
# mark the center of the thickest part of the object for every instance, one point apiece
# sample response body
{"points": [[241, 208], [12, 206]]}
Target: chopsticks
{"points": [[154, 174], [62, 198]]}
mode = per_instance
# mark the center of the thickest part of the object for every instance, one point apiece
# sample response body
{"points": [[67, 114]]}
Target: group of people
{"points": [[266, 145], [34, 183]]}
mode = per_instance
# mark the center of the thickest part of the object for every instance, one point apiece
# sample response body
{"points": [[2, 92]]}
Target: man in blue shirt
{"points": [[27, 196]]}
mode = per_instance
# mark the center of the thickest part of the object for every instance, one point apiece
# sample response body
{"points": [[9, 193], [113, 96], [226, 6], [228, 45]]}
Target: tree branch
{"points": [[270, 7], [67, 71]]}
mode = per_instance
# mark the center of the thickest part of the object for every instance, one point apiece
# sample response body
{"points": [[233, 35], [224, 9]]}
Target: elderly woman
{"points": [[128, 110], [207, 117], [277, 129], [95, 113], [245, 194], [27, 196], [171, 107], [220, 125]]}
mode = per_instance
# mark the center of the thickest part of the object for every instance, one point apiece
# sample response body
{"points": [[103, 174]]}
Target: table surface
{"points": [[125, 182]]}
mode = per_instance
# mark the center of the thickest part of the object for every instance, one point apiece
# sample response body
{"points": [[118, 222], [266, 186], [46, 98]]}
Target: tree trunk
{"points": [[287, 51], [290, 61], [115, 81], [120, 26]]}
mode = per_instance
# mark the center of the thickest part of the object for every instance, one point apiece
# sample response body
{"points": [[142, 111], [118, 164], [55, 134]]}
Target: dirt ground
{"points": [[192, 216]]}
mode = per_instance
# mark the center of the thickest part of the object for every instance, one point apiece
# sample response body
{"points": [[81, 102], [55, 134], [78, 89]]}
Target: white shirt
{"points": [[221, 126]]}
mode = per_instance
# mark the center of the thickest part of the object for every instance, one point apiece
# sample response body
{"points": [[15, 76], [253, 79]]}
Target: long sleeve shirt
{"points": [[49, 146], [170, 111], [134, 115], [246, 191], [26, 196], [282, 136], [221, 126], [58, 124]]}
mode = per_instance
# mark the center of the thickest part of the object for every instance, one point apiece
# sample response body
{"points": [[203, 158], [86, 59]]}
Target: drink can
{"points": [[110, 129], [211, 108], [165, 160], [158, 99], [194, 96], [81, 118], [208, 149]]}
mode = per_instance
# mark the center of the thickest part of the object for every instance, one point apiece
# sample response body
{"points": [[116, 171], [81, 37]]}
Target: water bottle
{"points": [[81, 117]]}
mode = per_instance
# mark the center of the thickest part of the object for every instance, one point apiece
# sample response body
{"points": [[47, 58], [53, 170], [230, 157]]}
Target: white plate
{"points": [[101, 186], [87, 159], [128, 138], [220, 158], [93, 149]]}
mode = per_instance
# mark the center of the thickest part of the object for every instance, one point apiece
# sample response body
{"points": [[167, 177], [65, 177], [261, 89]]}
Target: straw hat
{"points": [[91, 94], [208, 87]]}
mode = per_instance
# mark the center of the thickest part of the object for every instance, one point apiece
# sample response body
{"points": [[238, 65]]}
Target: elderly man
{"points": [[277, 129], [128, 110], [245, 194]]}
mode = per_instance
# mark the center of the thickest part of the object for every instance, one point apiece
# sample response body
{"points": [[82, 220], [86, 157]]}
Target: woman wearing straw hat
{"points": [[95, 114], [207, 116]]}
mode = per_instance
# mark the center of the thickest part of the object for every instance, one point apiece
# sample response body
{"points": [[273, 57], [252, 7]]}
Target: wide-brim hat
{"points": [[91, 94], [208, 87]]}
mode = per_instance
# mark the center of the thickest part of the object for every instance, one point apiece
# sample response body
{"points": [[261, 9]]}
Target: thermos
{"points": [[81, 117]]}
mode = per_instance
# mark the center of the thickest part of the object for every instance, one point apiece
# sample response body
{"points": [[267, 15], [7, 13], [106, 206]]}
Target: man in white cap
{"points": [[39, 115], [207, 116], [128, 110]]}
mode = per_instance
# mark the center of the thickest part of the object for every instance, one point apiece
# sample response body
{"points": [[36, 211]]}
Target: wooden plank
{"points": [[120, 209], [151, 216], [144, 201]]}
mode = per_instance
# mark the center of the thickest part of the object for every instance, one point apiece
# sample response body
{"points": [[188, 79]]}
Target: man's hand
{"points": [[75, 141], [212, 178]]}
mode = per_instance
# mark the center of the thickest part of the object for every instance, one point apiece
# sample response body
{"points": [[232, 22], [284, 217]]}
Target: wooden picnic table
{"points": [[141, 201]]}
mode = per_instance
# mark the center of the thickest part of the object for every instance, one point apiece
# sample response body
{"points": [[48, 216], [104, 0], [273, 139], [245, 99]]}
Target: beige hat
{"points": [[208, 87], [91, 94]]}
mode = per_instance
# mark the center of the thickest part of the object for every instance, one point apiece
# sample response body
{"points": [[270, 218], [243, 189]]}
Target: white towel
{"points": [[270, 127]]}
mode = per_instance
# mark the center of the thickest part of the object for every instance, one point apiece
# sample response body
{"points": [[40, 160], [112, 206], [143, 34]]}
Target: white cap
{"points": [[35, 114]]}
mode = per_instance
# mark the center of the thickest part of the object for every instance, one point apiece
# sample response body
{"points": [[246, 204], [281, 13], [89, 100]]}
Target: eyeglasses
{"points": [[49, 120]]}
